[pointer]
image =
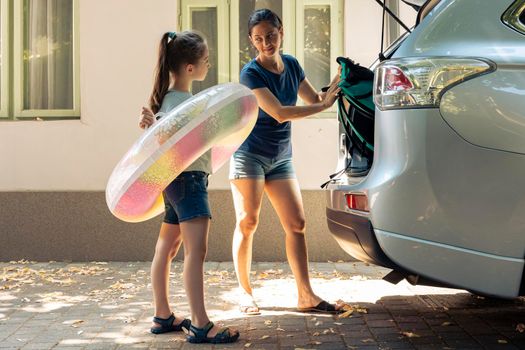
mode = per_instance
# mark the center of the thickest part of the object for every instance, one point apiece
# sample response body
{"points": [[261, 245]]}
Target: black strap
{"points": [[385, 8], [383, 29], [364, 146]]}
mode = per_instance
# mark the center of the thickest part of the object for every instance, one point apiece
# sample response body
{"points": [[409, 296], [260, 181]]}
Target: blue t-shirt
{"points": [[270, 138]]}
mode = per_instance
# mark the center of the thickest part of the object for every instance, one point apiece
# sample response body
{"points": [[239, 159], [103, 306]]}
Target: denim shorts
{"points": [[186, 198], [246, 165]]}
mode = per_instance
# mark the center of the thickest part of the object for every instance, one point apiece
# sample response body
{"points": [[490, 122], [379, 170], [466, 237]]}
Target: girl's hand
{"points": [[331, 95], [147, 118]]}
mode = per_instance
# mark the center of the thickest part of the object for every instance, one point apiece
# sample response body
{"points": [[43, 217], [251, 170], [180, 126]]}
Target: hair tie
{"points": [[172, 35]]}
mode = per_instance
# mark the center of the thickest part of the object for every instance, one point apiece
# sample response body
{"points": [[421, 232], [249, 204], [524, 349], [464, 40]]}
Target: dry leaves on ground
{"points": [[350, 309]]}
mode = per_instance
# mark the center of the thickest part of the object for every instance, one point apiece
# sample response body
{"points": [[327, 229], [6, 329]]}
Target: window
{"points": [[313, 34], [39, 59]]}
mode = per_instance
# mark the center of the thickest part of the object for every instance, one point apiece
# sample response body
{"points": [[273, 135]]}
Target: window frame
{"points": [[17, 78], [5, 63], [336, 41], [223, 57]]}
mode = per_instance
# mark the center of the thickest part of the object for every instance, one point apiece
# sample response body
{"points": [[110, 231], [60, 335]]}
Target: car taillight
{"points": [[357, 201], [421, 81]]}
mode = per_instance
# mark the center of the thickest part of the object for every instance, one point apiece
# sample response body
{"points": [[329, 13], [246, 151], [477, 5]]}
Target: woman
{"points": [[263, 163]]}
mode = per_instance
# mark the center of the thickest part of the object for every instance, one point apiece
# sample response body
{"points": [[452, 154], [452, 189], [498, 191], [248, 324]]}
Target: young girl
{"points": [[263, 163], [183, 58]]}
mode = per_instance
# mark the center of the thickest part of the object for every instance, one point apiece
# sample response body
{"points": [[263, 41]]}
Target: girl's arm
{"points": [[271, 105]]}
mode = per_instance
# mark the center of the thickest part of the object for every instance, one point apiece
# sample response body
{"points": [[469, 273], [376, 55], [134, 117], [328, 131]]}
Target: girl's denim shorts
{"points": [[246, 165], [186, 198]]}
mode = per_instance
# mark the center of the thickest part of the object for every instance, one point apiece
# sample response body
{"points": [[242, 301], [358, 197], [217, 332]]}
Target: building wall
{"points": [[55, 172]]}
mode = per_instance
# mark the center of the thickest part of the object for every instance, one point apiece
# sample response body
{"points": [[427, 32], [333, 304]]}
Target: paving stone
{"points": [[112, 309]]}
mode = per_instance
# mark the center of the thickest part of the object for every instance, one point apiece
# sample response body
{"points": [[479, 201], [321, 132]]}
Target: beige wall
{"points": [[76, 226]]}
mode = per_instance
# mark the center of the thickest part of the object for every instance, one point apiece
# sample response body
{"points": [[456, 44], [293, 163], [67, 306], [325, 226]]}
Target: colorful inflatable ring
{"points": [[217, 119]]}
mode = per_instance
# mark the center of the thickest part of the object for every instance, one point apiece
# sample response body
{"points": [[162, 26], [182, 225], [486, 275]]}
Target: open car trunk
{"points": [[357, 123]]}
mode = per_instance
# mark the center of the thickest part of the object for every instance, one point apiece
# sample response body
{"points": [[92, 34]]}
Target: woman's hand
{"points": [[331, 94], [337, 77], [335, 80], [147, 118]]}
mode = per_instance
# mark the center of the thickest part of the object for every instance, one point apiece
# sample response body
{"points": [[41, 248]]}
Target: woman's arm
{"points": [[271, 105], [308, 94]]}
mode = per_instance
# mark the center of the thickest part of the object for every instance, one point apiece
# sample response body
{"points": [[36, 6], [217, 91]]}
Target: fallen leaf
{"points": [[410, 334], [247, 345], [346, 314], [502, 341], [268, 322], [446, 324], [73, 323], [265, 337]]}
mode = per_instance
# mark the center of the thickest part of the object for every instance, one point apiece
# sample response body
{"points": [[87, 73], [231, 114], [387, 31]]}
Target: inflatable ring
{"points": [[218, 119]]}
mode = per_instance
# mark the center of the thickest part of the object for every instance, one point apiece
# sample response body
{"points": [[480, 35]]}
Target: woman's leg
{"points": [[247, 198], [285, 196], [167, 246]]}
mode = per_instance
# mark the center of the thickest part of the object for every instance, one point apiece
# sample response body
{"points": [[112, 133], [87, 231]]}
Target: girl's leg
{"points": [[195, 238], [167, 246], [247, 198], [285, 196]]}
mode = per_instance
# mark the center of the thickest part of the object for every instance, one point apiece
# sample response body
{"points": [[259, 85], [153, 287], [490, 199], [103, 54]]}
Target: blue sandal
{"points": [[200, 335], [166, 325]]}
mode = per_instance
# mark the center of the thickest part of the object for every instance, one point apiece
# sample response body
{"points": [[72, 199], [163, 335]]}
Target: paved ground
{"points": [[108, 306]]}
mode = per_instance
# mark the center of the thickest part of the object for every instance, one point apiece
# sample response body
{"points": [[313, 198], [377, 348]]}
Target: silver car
{"points": [[444, 200]]}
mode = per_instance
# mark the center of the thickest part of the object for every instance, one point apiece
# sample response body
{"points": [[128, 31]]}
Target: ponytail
{"points": [[162, 76], [175, 50]]}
